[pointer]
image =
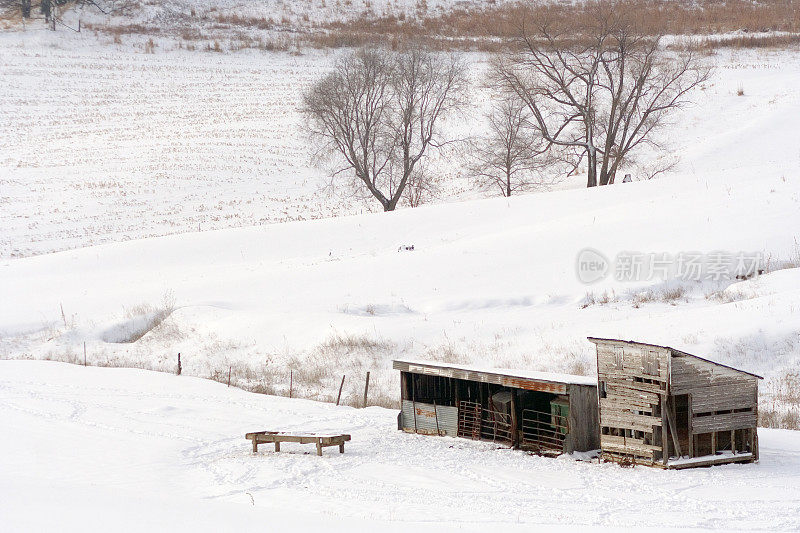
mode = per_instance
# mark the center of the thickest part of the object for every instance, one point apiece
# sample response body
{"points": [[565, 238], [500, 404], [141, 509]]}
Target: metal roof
{"points": [[520, 379]]}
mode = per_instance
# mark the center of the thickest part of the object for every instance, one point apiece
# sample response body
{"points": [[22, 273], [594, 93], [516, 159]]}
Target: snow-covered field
{"points": [[145, 451], [102, 143]]}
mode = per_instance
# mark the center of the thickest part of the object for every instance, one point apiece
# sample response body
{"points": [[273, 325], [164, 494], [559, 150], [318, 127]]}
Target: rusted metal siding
{"points": [[484, 377], [429, 420]]}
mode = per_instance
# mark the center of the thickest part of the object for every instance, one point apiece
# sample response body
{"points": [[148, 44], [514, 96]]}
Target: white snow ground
{"points": [[143, 451]]}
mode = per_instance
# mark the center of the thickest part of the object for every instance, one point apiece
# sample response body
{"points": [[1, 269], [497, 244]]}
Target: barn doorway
{"points": [[682, 414]]}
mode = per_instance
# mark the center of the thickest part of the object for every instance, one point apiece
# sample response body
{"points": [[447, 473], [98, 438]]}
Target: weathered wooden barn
{"points": [[664, 407], [537, 411]]}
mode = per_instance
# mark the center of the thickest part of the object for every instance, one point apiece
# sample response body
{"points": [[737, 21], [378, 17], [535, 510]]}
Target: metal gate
{"points": [[543, 431], [476, 422]]}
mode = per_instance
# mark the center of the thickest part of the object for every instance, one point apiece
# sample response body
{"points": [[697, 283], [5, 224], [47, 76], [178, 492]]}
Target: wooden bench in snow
{"points": [[265, 437]]}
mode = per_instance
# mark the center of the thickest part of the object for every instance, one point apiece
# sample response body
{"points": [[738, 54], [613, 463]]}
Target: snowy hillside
{"points": [[154, 452], [490, 281]]}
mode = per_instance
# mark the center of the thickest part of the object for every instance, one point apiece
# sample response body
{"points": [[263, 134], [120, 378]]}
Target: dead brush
{"points": [[676, 17], [143, 318]]}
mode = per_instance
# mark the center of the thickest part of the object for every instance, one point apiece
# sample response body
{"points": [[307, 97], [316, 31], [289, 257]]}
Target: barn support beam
{"points": [[673, 427]]}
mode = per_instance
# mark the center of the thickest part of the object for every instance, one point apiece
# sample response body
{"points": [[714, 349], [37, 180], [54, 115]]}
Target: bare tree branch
{"points": [[379, 114], [602, 88]]}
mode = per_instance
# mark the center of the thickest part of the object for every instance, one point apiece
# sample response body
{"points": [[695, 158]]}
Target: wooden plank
{"points": [[625, 441], [633, 385], [628, 450], [718, 460], [724, 422], [610, 418], [617, 403]]}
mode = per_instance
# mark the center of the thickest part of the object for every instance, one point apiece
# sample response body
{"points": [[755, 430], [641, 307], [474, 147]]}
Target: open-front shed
{"points": [[538, 411], [664, 407]]}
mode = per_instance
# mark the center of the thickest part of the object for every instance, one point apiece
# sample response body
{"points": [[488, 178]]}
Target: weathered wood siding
{"points": [[715, 388], [584, 429], [634, 378]]}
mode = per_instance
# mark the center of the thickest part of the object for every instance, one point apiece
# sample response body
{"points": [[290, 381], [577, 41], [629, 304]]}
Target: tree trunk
{"points": [[45, 9], [592, 171]]}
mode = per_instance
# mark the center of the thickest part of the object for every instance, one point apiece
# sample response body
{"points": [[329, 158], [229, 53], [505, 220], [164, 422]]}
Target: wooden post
{"points": [[733, 441], [713, 443], [366, 389], [413, 402], [514, 431], [754, 432], [664, 436], [255, 445], [341, 448], [229, 376], [84, 353], [690, 423], [339, 397], [436, 416], [291, 382], [319, 447], [180, 369], [277, 446]]}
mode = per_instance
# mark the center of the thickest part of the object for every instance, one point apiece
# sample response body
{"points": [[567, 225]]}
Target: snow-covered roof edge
{"points": [[534, 375], [593, 339]]}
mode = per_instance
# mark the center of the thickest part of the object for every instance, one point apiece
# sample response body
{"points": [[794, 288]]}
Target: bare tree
{"points": [[510, 157], [600, 87], [379, 112], [22, 6], [48, 8]]}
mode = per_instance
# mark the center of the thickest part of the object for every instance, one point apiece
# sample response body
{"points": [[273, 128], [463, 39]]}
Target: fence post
{"points": [[366, 389], [179, 363], [229, 376], [291, 382], [340, 391], [84, 353]]}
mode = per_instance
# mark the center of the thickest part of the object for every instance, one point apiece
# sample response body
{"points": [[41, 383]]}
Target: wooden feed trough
{"points": [[276, 437]]}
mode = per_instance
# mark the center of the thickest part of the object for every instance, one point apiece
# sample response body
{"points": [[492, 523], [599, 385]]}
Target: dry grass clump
{"points": [[599, 299], [726, 296], [782, 410], [317, 373], [780, 40], [140, 319], [772, 418]]}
